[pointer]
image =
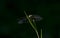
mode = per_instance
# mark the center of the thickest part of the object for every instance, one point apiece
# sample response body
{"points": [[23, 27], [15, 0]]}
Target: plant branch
{"points": [[32, 24]]}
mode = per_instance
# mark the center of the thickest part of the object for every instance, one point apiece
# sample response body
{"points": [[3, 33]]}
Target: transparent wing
{"points": [[32, 17], [21, 21], [36, 17]]}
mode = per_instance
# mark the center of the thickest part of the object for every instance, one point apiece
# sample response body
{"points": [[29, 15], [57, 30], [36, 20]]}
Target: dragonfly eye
{"points": [[32, 17]]}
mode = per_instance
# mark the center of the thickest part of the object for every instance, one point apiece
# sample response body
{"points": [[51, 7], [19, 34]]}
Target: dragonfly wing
{"points": [[37, 17], [32, 17], [22, 21]]}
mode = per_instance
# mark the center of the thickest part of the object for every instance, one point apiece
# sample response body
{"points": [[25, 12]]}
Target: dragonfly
{"points": [[35, 18]]}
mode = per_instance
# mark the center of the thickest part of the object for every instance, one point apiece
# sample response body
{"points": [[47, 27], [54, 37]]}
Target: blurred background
{"points": [[10, 10]]}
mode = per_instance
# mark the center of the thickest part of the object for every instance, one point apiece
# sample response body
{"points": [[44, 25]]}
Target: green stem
{"points": [[41, 33], [32, 24]]}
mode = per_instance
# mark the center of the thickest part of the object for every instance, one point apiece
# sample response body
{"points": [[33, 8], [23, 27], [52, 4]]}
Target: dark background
{"points": [[10, 10]]}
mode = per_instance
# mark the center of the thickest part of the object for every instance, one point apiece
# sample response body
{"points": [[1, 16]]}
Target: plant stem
{"points": [[41, 33], [32, 24]]}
